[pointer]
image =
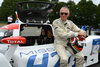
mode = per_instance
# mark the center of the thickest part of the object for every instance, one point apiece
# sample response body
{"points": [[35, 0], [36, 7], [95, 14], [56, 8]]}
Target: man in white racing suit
{"points": [[62, 28]]}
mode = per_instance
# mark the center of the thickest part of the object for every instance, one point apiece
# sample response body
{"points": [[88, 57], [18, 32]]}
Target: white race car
{"points": [[30, 43]]}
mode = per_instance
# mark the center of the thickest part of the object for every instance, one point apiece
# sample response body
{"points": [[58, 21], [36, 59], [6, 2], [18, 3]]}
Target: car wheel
{"points": [[99, 57]]}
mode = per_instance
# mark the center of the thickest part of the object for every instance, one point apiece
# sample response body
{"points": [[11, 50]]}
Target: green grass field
{"points": [[2, 24]]}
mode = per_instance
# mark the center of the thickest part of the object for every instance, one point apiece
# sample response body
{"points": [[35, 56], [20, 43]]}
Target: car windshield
{"points": [[34, 34], [30, 31], [34, 6]]}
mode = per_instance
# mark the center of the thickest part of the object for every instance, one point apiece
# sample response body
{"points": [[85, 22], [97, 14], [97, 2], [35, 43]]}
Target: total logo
{"points": [[14, 41]]}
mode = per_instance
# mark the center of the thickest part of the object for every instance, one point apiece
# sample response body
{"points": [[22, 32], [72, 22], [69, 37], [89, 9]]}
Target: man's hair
{"points": [[65, 7]]}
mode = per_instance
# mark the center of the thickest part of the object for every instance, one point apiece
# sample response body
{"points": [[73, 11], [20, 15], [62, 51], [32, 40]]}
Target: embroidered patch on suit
{"points": [[56, 21], [68, 28], [56, 28], [71, 22]]}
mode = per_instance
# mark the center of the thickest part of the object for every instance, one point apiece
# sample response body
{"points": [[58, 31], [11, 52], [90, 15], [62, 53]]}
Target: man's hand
{"points": [[82, 37], [82, 34]]}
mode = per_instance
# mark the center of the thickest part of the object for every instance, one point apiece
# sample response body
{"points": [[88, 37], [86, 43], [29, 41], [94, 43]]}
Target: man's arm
{"points": [[10, 18], [81, 33], [62, 33]]}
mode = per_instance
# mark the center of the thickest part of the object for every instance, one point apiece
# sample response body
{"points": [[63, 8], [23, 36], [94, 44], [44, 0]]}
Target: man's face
{"points": [[11, 16], [64, 14]]}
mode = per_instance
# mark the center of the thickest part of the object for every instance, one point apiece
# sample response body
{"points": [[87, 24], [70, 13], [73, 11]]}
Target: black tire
{"points": [[99, 57]]}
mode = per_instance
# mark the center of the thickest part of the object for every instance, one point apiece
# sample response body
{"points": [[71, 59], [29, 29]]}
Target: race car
{"points": [[30, 43]]}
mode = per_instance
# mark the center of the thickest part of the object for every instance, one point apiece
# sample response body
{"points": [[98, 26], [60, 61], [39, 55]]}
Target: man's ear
{"points": [[69, 13], [59, 14]]}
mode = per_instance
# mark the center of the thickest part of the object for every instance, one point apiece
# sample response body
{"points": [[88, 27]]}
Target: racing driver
{"points": [[62, 27]]}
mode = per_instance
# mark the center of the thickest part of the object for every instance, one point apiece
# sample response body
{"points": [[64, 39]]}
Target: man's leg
{"points": [[62, 54], [79, 57]]}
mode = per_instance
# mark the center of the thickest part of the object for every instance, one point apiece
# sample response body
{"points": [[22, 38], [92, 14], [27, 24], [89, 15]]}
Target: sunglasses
{"points": [[64, 13]]}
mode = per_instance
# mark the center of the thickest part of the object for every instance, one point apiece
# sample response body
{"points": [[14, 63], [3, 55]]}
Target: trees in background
{"points": [[86, 12], [8, 8], [83, 13]]}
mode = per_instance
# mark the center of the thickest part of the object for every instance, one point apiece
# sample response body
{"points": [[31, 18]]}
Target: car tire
{"points": [[99, 57]]}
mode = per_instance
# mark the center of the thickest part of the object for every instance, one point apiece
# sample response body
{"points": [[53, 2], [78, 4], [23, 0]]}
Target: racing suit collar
{"points": [[64, 22]]}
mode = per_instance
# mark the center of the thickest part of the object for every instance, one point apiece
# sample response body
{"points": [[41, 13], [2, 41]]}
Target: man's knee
{"points": [[80, 59], [79, 55], [63, 62]]}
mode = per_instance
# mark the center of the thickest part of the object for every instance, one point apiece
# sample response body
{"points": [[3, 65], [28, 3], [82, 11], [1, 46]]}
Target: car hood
{"points": [[33, 11]]}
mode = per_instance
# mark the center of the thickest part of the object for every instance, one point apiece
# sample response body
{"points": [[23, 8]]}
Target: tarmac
{"points": [[95, 65]]}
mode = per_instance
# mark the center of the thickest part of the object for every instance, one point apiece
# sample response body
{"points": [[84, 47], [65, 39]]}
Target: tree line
{"points": [[82, 13]]}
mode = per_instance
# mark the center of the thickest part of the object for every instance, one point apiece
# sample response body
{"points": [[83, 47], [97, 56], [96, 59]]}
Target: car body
{"points": [[22, 46]]}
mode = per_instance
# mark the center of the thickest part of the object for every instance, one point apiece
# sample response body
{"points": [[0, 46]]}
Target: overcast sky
{"points": [[76, 1], [1, 2]]}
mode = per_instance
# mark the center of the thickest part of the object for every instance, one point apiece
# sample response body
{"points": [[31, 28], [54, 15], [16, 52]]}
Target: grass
{"points": [[2, 24]]}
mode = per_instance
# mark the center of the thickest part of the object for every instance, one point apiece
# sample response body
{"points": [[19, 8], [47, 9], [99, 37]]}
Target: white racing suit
{"points": [[62, 33]]}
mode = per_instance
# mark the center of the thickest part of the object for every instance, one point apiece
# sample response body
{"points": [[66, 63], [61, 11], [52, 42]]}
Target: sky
{"points": [[96, 2], [1, 2], [76, 1]]}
